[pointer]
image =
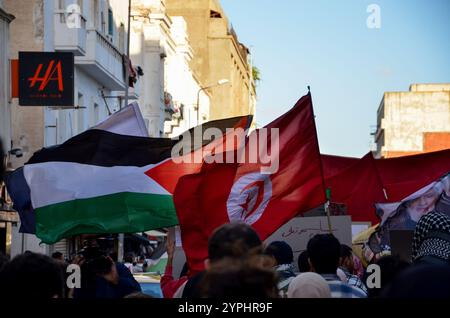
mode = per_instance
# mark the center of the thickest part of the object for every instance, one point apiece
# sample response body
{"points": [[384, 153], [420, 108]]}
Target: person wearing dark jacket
{"points": [[103, 278]]}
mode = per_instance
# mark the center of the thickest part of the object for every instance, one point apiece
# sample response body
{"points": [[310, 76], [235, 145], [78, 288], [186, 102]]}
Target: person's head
{"points": [[33, 275], [390, 267], [230, 277], [431, 238], [324, 251], [303, 262], [129, 258], [280, 251], [102, 266], [423, 204], [346, 259], [233, 240], [58, 256], [309, 285]]}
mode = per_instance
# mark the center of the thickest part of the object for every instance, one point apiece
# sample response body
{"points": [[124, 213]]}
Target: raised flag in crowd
{"points": [[252, 192], [99, 182]]}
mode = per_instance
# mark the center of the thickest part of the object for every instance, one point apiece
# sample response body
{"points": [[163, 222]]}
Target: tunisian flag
{"points": [[262, 193]]}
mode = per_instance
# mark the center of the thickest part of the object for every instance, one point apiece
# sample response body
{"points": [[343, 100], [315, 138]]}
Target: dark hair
{"points": [[231, 278], [390, 267], [90, 269], [100, 265], [281, 251], [302, 262], [324, 251], [346, 251], [91, 252], [57, 255], [128, 258], [33, 275], [232, 240]]}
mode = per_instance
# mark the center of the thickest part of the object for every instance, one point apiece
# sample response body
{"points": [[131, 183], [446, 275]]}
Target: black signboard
{"points": [[46, 79]]}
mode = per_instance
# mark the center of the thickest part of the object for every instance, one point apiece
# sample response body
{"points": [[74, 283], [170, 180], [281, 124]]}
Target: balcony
{"points": [[70, 39], [103, 61]]}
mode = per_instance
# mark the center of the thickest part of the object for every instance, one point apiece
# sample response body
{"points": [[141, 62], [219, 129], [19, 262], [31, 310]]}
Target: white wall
{"points": [[407, 115]]}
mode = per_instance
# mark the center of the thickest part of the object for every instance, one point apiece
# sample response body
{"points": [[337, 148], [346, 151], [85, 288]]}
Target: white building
{"points": [[415, 121], [95, 31], [168, 89], [6, 217], [5, 108]]}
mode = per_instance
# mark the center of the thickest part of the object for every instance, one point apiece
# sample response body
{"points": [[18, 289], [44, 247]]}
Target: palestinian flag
{"points": [[100, 182]]}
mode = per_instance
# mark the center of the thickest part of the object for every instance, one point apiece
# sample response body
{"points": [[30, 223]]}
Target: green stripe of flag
{"points": [[124, 212]]}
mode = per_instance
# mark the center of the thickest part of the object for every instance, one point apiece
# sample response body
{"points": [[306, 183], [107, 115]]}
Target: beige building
{"points": [[414, 122], [168, 89], [218, 55]]}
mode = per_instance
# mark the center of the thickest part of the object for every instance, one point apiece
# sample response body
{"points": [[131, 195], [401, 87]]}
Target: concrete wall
{"points": [[415, 121], [27, 30]]}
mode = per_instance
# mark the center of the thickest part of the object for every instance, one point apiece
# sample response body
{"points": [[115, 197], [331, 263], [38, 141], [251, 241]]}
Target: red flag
{"points": [[260, 193], [368, 181], [169, 171]]}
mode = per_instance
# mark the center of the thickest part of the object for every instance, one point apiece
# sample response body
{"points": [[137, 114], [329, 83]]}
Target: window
{"points": [[214, 14], [102, 20], [110, 23], [95, 115]]}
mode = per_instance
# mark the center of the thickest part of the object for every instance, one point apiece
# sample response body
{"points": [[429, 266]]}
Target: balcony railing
{"points": [[102, 61], [70, 36]]}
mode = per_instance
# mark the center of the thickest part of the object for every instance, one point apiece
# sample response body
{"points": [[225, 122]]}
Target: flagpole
{"points": [[378, 176], [327, 192]]}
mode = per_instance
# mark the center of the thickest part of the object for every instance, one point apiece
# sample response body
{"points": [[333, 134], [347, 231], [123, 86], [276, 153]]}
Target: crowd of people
{"points": [[240, 265]]}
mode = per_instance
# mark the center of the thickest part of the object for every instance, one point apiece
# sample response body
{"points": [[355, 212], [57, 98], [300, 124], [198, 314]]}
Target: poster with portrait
{"points": [[405, 214]]}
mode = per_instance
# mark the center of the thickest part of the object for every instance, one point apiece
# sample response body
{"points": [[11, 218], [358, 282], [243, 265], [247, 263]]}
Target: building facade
{"points": [[7, 219], [413, 122], [218, 56], [168, 88], [95, 31]]}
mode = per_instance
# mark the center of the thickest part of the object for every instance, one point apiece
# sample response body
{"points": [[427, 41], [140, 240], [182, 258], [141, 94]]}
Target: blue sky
{"points": [[326, 44]]}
